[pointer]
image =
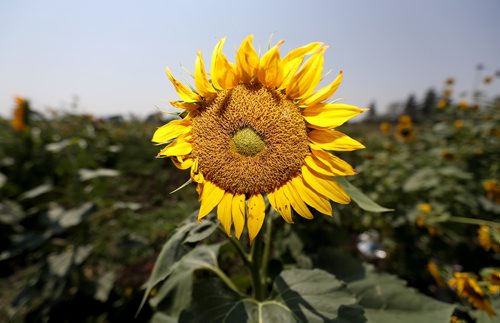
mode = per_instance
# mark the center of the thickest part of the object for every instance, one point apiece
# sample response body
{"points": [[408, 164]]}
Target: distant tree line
{"points": [[417, 110]]}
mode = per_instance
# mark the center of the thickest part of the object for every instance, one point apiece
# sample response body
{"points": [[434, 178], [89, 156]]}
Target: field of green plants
{"points": [[89, 228]]}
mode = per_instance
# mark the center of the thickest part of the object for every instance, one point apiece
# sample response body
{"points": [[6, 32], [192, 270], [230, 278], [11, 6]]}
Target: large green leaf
{"points": [[174, 249], [359, 197], [387, 299], [384, 297], [299, 295], [181, 273]]}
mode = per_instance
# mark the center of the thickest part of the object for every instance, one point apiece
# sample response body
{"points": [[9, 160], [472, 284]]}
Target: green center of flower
{"points": [[247, 142]]}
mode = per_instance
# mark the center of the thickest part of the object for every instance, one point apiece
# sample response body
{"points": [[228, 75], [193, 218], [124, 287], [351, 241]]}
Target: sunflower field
{"points": [[94, 228]]}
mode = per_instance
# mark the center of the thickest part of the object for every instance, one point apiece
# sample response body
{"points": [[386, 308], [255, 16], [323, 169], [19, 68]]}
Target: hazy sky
{"points": [[112, 54]]}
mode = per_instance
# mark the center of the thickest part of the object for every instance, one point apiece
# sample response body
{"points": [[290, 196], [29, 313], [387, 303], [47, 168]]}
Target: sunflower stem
{"points": [[267, 248], [258, 291], [243, 254], [229, 283], [460, 219]]}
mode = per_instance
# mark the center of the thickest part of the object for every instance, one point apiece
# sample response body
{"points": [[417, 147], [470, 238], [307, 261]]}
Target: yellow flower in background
{"points": [[385, 127], [492, 190], [18, 121], [425, 208], [404, 129], [467, 287], [442, 103], [493, 282], [433, 269], [260, 128], [447, 93], [463, 104], [488, 79], [450, 81], [458, 124], [484, 237]]}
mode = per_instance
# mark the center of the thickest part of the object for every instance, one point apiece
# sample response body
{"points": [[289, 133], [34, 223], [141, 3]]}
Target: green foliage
{"points": [[85, 210]]}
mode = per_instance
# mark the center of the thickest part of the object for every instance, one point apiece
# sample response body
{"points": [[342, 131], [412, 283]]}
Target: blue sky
{"points": [[112, 54]]}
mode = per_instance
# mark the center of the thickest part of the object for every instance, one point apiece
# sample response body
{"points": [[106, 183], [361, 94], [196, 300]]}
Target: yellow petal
{"points": [[184, 105], [178, 147], [317, 165], [330, 115], [308, 77], [196, 174], [247, 60], [281, 204], [171, 130], [203, 86], [336, 165], [182, 163], [325, 186], [256, 213], [224, 210], [270, 71], [294, 59], [296, 201], [186, 94], [324, 93], [310, 196], [211, 195], [223, 72], [238, 211], [334, 140]]}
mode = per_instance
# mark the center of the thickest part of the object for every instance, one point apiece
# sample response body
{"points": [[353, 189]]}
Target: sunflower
{"points": [[468, 287], [18, 121], [260, 128], [404, 129]]}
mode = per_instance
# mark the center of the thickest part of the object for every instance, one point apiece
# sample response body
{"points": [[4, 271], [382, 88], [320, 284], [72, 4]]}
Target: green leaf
{"points": [[386, 298], [181, 273], [173, 250], [359, 197], [424, 179], [35, 192], [312, 295], [299, 295], [88, 174]]}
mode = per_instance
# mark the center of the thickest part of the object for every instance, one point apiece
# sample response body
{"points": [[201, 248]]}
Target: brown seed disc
{"points": [[275, 119]]}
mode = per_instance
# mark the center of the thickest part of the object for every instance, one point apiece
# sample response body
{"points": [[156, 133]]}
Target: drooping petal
{"points": [[270, 71], [224, 210], [334, 164], [185, 93], [211, 195], [204, 87], [178, 147], [323, 93], [256, 214], [330, 115], [222, 71], [196, 174], [238, 212], [182, 163], [310, 196], [294, 59], [171, 130], [334, 140], [281, 204], [185, 105], [308, 77], [325, 186], [247, 60], [296, 201]]}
